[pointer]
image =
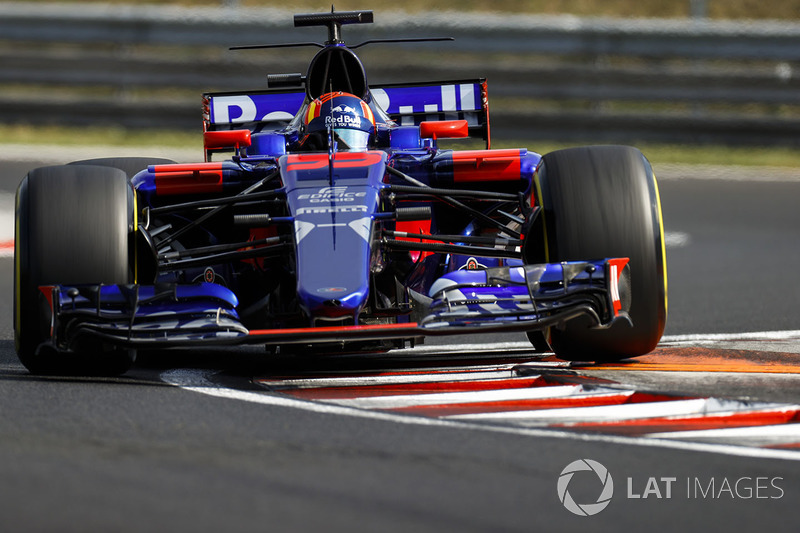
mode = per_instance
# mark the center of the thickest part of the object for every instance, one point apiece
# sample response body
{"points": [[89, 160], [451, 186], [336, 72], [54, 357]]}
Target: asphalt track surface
{"points": [[208, 441]]}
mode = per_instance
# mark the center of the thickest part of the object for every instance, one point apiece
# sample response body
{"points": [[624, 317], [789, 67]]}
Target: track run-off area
{"points": [[503, 390]]}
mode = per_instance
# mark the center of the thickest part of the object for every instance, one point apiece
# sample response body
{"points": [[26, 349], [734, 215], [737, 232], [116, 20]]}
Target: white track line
{"points": [[753, 436], [444, 398], [676, 239], [667, 172], [356, 381], [613, 413], [602, 413], [6, 225], [199, 381]]}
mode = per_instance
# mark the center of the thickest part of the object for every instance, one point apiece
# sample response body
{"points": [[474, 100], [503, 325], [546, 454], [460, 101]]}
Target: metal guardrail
{"points": [[591, 64]]}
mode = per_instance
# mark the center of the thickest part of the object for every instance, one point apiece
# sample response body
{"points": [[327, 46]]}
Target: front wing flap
{"points": [[523, 298], [142, 315], [530, 296]]}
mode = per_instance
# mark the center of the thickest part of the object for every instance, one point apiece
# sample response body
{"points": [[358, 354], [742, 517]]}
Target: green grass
{"points": [[99, 136], [716, 9], [658, 153]]}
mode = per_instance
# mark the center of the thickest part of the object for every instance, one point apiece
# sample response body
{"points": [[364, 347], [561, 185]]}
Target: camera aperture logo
{"points": [[585, 509]]}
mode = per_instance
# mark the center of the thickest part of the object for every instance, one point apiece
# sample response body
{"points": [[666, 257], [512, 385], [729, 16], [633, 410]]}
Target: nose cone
{"points": [[333, 302], [333, 200], [333, 269]]}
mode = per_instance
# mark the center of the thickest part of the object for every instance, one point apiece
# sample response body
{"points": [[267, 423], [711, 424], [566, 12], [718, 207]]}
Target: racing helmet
{"points": [[350, 118]]}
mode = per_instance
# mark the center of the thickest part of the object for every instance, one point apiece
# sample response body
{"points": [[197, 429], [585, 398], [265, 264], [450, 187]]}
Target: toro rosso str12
{"points": [[338, 224]]}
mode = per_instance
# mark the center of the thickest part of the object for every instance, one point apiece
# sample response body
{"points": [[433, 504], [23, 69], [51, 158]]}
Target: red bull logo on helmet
{"points": [[343, 121], [341, 110], [344, 109]]}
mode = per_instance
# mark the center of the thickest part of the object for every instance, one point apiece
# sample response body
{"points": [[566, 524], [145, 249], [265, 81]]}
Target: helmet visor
{"points": [[354, 139]]}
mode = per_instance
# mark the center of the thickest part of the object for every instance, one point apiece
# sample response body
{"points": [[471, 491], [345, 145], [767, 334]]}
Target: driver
{"points": [[350, 118]]}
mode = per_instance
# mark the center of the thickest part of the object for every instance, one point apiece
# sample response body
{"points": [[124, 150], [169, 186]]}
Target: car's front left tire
{"points": [[73, 225]]}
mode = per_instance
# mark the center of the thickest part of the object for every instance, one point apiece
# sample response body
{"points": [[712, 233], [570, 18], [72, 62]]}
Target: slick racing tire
{"points": [[129, 165], [602, 202], [73, 225]]}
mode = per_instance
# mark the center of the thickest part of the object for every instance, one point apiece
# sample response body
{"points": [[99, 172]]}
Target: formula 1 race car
{"points": [[338, 224]]}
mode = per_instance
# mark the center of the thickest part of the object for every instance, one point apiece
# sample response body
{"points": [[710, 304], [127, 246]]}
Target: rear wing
{"points": [[406, 104]]}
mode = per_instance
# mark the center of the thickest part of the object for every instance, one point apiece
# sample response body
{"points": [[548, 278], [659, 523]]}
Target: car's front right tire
{"points": [[602, 202]]}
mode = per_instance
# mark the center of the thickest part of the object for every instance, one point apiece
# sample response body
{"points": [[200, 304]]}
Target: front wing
{"points": [[523, 298]]}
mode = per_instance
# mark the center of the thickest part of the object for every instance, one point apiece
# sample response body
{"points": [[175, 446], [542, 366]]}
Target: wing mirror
{"points": [[444, 129], [219, 140]]}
